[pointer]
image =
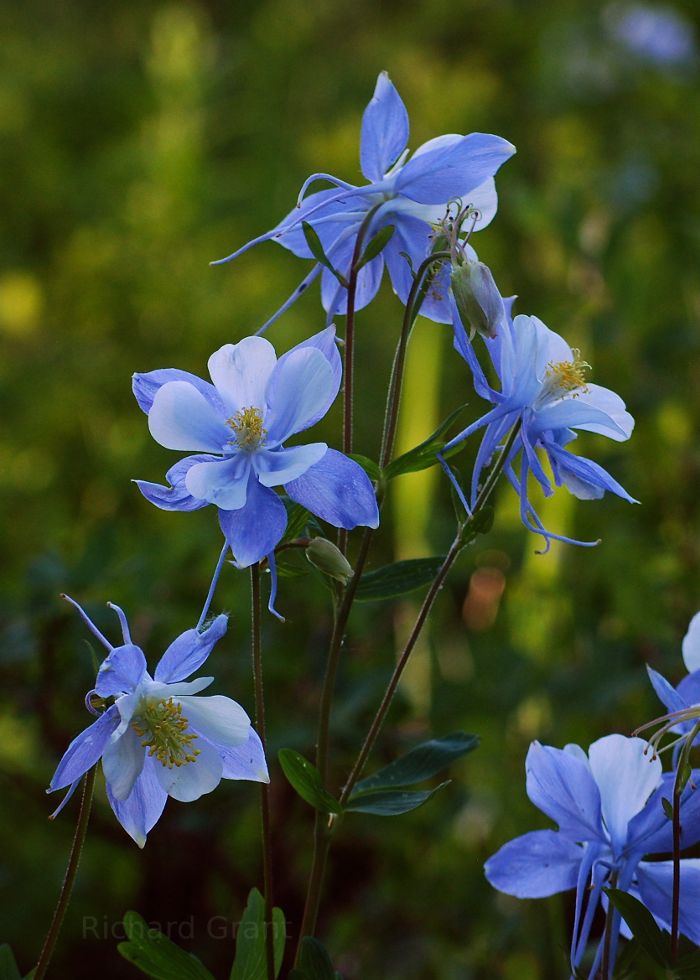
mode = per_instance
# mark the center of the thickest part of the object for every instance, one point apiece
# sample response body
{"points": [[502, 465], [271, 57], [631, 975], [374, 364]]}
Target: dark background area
{"points": [[139, 141]]}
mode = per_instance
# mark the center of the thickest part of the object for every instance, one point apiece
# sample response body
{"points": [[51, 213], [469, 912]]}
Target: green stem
{"points": [[678, 785], [256, 652], [423, 614], [69, 879], [419, 289], [610, 925]]}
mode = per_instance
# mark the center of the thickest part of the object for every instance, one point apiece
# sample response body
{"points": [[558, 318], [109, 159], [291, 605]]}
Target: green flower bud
{"points": [[324, 555], [478, 300]]}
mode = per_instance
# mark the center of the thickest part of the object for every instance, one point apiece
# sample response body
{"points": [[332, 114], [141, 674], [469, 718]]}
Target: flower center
{"points": [[248, 428], [567, 376], [163, 729]]}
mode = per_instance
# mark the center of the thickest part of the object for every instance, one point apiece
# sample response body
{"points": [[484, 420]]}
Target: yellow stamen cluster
{"points": [[569, 375], [248, 426], [163, 729]]}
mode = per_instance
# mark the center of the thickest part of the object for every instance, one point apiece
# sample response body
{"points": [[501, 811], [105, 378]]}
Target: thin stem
{"points": [[419, 289], [321, 828], [256, 651], [455, 548], [610, 925], [212, 587], [69, 879], [678, 786]]}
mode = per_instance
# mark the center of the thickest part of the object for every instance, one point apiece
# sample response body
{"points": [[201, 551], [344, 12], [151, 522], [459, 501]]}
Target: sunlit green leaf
{"points": [[425, 454], [317, 250], [375, 245], [250, 962]]}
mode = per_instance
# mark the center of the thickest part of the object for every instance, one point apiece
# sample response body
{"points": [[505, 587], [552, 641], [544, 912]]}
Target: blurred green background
{"points": [[140, 140]]}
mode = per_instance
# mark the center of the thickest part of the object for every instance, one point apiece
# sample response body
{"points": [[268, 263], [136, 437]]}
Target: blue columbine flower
{"points": [[155, 738], [608, 805], [238, 426], [544, 389], [412, 194], [683, 701]]}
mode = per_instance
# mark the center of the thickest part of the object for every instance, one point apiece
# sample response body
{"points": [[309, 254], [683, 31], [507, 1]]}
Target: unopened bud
{"points": [[479, 303], [324, 555]]}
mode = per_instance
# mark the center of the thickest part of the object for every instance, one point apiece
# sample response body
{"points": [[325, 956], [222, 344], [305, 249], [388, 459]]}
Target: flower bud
{"points": [[324, 555], [479, 303]]}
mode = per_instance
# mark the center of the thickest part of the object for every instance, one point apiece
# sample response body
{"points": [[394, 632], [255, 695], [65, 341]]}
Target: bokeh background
{"points": [[138, 141]]}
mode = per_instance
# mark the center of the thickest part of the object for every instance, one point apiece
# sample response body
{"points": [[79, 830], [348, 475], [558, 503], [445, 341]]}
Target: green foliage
{"points": [[397, 579], [250, 962], [317, 250], [425, 455], [314, 962], [156, 955], [8, 965], [375, 245], [305, 778], [390, 803], [422, 762]]}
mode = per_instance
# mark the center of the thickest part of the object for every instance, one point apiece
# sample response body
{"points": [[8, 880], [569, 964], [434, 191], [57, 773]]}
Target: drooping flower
{"points": [[544, 389], [154, 736], [608, 805], [683, 701], [238, 427], [411, 194]]}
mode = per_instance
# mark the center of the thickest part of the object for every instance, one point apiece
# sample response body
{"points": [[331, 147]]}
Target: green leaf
{"points": [[688, 966], [155, 955], [314, 962], [643, 925], [306, 780], [297, 519], [389, 803], [425, 455], [368, 465], [316, 249], [8, 964], [667, 807], [250, 962], [397, 579], [422, 762], [375, 245]]}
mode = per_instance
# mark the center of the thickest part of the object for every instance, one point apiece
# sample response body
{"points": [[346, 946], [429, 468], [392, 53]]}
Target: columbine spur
{"points": [[410, 193], [608, 805], [154, 736], [239, 425], [544, 390]]}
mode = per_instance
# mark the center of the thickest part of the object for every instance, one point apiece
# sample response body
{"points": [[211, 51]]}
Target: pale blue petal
{"points": [[655, 881], [85, 750], [241, 372], [689, 688], [176, 496], [384, 129], [142, 808], [219, 719], [193, 779], [325, 341], [626, 774], [575, 413], [562, 786], [122, 762], [582, 476], [222, 482], [146, 385], [611, 405], [189, 651], [182, 418], [448, 168], [415, 238], [279, 466], [245, 761], [535, 865], [329, 222], [691, 644], [298, 389], [121, 671], [254, 531], [337, 490]]}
